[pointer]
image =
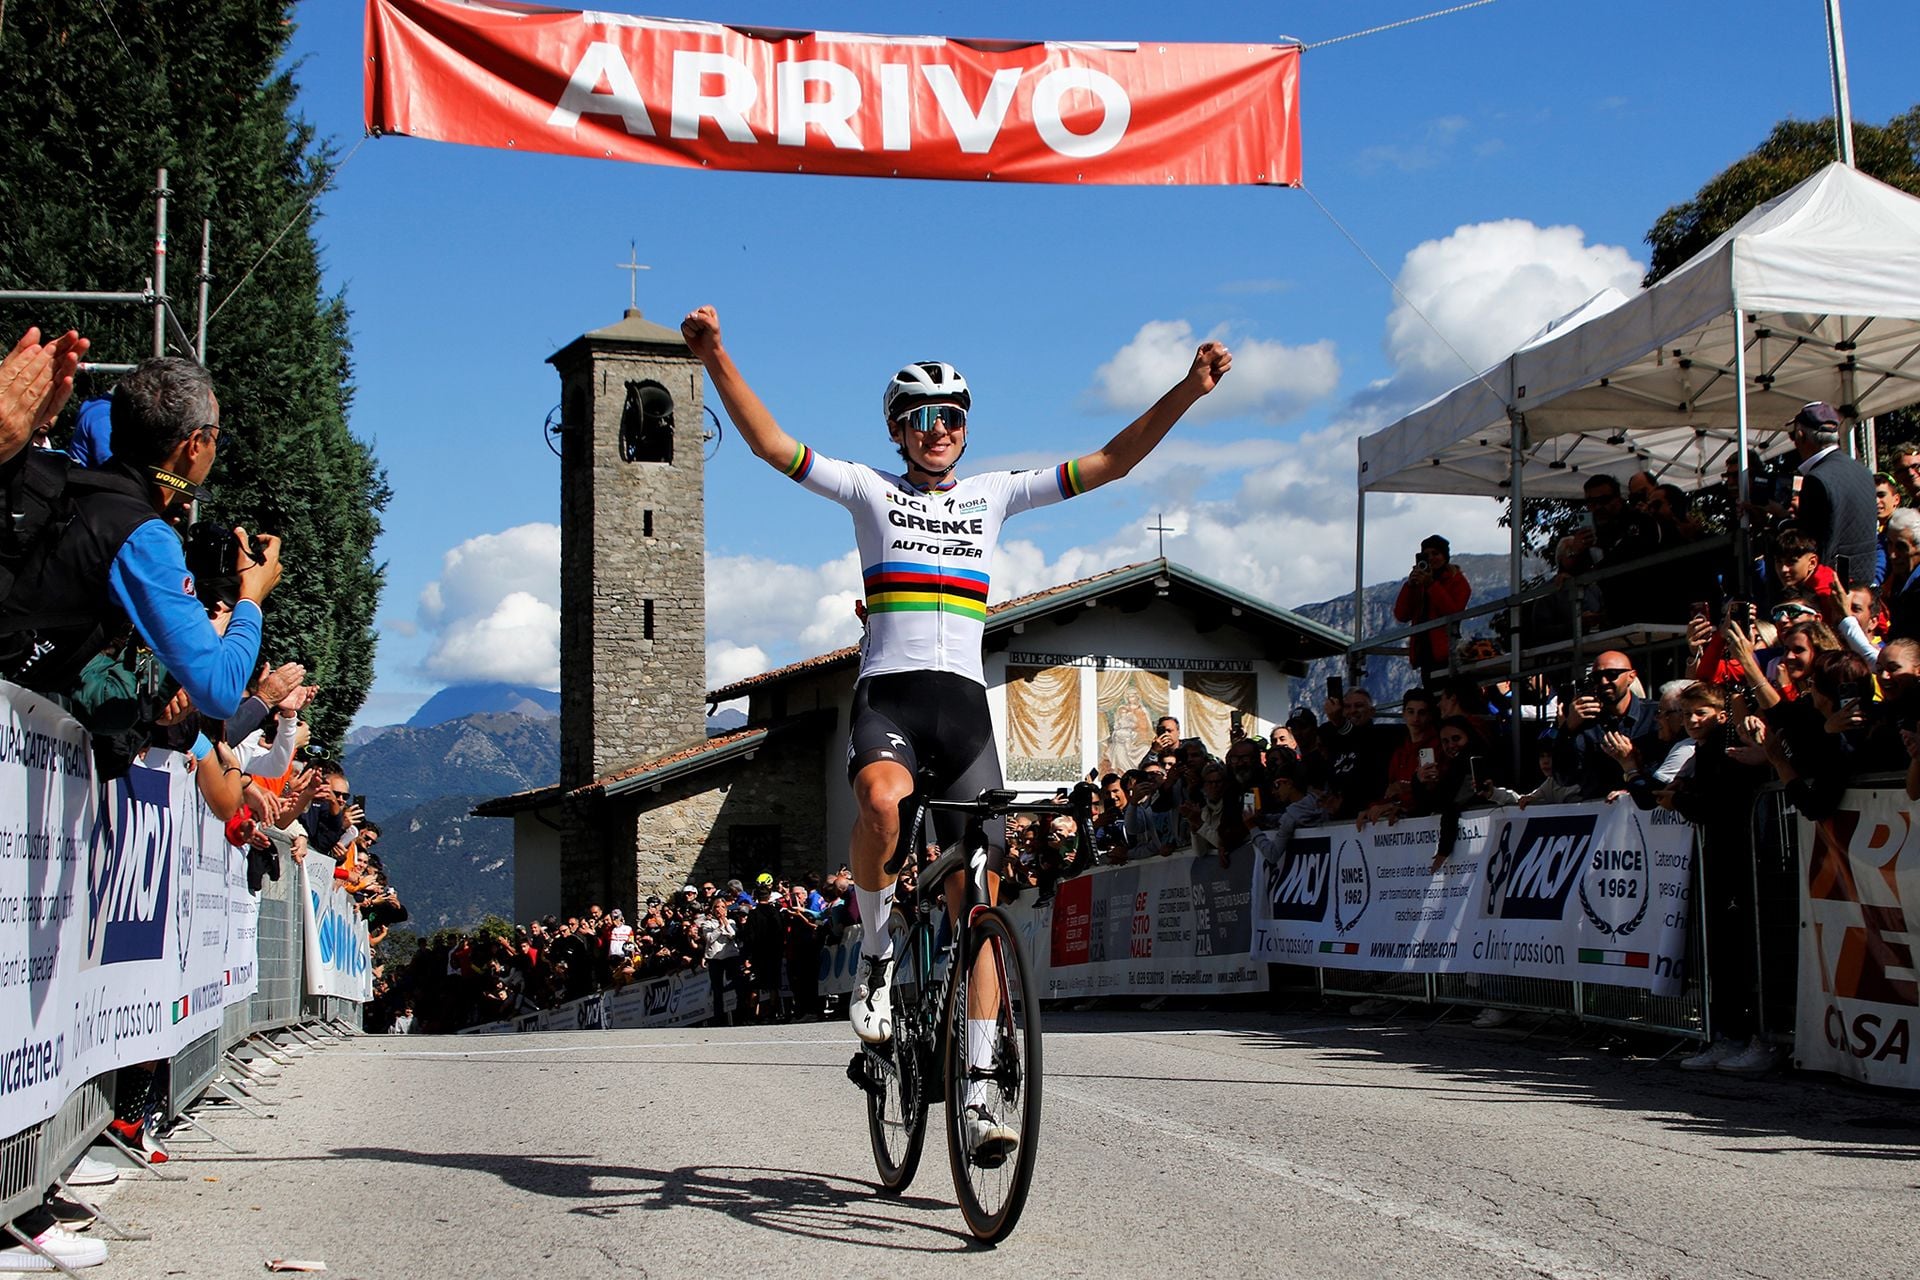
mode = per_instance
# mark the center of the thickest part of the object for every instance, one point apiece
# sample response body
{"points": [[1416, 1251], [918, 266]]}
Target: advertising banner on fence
{"points": [[676, 1000], [1859, 990], [1166, 926], [702, 95], [123, 930], [46, 775], [339, 958], [1596, 892]]}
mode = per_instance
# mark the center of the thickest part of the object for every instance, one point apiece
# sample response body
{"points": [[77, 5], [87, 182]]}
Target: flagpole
{"points": [[1842, 106]]}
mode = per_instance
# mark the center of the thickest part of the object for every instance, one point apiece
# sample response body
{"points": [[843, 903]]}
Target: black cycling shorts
{"points": [[937, 725]]}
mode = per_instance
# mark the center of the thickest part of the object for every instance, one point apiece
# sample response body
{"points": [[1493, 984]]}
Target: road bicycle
{"points": [[946, 964]]}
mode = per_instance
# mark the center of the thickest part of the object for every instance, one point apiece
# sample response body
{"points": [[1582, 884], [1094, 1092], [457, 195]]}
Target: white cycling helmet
{"points": [[925, 382]]}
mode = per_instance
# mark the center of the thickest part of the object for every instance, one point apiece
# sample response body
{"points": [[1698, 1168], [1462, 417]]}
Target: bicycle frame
{"points": [[914, 970]]}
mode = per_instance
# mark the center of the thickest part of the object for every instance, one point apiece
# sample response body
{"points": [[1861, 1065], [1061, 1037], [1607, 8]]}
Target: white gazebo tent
{"points": [[1814, 295]]}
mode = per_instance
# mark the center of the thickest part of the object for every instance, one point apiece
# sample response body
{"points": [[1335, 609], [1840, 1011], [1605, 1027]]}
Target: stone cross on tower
{"points": [[633, 268]]}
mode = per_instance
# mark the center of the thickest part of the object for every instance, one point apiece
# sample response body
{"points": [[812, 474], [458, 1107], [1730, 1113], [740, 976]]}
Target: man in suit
{"points": [[1836, 495]]}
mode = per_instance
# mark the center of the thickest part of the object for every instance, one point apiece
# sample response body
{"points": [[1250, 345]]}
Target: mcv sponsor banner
{"points": [[676, 1000], [339, 958], [1598, 893], [1859, 992], [702, 95], [1165, 926]]}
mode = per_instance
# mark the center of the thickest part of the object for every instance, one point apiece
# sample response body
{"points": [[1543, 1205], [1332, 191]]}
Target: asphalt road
{"points": [[1217, 1145]]}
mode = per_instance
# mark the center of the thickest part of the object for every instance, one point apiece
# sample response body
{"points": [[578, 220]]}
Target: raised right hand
{"points": [[701, 329]]}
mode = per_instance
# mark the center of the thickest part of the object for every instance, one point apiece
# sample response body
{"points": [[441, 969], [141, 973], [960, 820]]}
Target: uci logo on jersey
{"points": [[129, 867], [1535, 865], [1298, 881]]}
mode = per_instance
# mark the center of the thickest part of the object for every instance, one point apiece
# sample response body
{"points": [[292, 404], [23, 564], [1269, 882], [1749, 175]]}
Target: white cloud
{"points": [[1487, 288], [1269, 380], [728, 662], [494, 612], [783, 609], [518, 641]]}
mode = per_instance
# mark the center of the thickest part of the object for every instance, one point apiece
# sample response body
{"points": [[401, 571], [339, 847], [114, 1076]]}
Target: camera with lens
{"points": [[213, 555]]}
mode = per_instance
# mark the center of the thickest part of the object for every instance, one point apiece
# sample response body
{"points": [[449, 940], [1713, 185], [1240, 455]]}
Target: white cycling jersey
{"points": [[927, 555]]}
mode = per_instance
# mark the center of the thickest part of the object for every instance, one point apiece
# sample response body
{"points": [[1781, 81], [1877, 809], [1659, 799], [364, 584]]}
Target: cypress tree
{"points": [[96, 98]]}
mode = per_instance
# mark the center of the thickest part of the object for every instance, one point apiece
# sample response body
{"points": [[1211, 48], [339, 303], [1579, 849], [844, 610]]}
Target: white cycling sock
{"points": [[980, 1034], [876, 905]]}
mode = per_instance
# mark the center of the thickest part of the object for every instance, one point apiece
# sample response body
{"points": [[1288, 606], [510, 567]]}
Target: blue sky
{"points": [[1501, 165]]}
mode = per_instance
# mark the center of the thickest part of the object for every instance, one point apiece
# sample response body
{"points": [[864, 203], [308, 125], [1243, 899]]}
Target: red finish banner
{"points": [[493, 73]]}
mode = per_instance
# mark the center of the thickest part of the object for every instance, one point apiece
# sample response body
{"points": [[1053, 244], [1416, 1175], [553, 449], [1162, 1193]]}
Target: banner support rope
{"points": [[1359, 248], [282, 233], [1394, 26]]}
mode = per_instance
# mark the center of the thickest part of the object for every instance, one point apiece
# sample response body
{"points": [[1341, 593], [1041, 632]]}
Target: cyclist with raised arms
{"points": [[926, 543]]}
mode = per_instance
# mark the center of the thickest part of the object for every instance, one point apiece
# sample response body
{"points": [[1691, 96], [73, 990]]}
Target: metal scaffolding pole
{"points": [[160, 194], [206, 280], [1842, 105]]}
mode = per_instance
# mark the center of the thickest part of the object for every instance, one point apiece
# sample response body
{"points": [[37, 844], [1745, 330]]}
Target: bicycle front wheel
{"points": [[897, 1102], [993, 1077]]}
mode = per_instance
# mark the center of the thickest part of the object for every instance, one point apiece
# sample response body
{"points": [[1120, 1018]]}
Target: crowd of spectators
{"points": [[759, 950], [1800, 668], [145, 622]]}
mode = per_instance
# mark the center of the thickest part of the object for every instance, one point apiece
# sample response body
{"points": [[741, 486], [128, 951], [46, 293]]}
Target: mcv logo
{"points": [[1297, 884], [1530, 875], [129, 866], [338, 948]]}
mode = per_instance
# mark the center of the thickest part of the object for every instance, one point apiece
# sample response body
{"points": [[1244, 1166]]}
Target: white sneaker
{"points": [[1710, 1057], [92, 1173], [1755, 1060], [870, 1008], [73, 1250], [989, 1142], [1493, 1018]]}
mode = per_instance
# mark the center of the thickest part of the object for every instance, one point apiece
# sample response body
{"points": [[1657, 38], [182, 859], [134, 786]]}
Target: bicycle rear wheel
{"points": [[897, 1102], [990, 1181]]}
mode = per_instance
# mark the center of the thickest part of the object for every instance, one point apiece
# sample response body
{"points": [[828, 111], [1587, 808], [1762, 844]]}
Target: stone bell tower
{"points": [[633, 616]]}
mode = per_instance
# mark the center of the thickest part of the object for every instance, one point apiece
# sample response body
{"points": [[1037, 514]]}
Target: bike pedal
{"points": [[857, 1072]]}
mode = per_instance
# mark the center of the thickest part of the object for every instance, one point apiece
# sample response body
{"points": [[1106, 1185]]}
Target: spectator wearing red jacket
{"points": [[1433, 590]]}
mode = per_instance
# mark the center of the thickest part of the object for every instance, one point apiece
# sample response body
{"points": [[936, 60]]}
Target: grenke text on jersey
{"points": [[901, 520], [827, 96]]}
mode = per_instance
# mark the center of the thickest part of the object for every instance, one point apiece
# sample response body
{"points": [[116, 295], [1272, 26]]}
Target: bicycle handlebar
{"points": [[991, 803]]}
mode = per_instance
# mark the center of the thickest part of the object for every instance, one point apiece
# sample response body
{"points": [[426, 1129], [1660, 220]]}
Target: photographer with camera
{"points": [[1433, 589], [118, 560], [1604, 703]]}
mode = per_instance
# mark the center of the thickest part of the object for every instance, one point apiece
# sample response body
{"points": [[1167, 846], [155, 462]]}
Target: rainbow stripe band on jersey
{"points": [[801, 464], [1067, 476], [900, 587]]}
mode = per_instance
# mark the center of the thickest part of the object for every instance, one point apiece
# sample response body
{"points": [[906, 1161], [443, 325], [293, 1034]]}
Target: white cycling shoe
{"points": [[871, 1007], [989, 1141]]}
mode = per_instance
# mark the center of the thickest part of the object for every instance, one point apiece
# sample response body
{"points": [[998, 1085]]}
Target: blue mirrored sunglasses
{"points": [[926, 417]]}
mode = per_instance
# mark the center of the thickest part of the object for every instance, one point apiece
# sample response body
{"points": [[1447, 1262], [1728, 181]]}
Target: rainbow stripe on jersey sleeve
{"points": [[1067, 476], [903, 587], [801, 464]]}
